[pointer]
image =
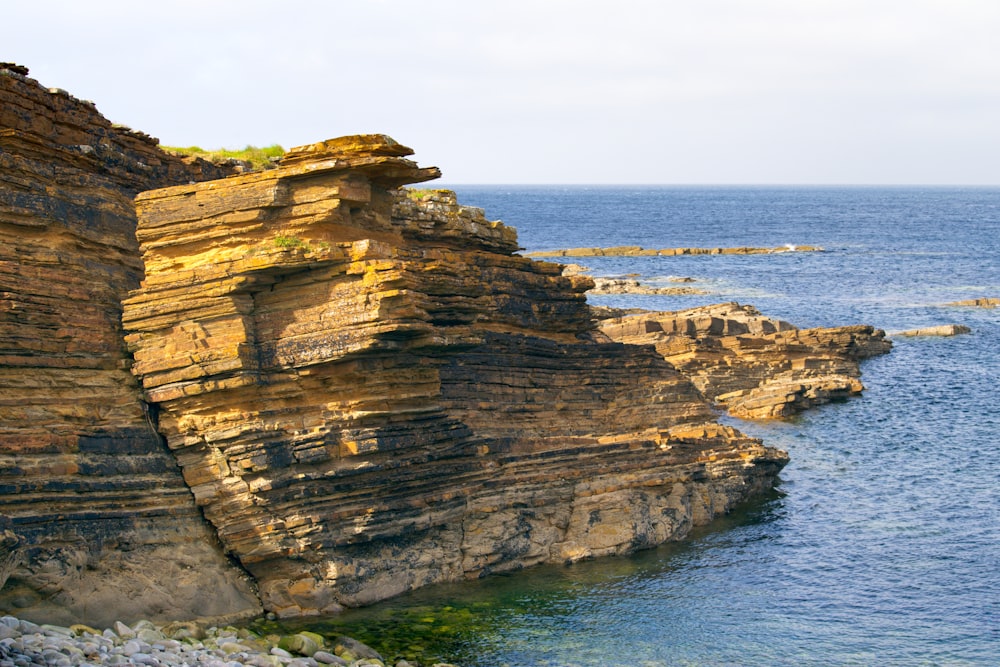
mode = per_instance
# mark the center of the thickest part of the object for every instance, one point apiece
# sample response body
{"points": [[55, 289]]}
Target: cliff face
{"points": [[110, 528], [369, 392], [754, 366]]}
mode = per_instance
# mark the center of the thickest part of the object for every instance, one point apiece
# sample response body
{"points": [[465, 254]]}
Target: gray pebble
{"points": [[131, 647], [29, 628], [56, 631], [123, 630]]}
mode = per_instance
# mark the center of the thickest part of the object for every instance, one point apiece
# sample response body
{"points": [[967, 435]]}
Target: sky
{"points": [[551, 91]]}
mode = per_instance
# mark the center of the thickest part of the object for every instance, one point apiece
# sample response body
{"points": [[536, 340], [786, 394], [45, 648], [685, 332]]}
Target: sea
{"points": [[880, 544]]}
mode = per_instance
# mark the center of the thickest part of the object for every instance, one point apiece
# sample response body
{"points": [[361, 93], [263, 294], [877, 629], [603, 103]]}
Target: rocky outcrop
{"points": [[110, 528], [939, 330], [638, 251], [369, 391], [756, 367], [10, 549], [609, 285], [985, 302]]}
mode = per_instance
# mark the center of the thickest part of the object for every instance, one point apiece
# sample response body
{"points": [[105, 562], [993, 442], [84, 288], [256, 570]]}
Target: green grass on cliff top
{"points": [[259, 158]]}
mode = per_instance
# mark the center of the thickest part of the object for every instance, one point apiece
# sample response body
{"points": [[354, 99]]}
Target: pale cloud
{"points": [[553, 91]]}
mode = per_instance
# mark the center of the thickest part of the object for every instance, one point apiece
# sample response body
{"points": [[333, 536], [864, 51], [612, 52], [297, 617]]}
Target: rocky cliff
{"points": [[755, 367], [110, 528], [369, 391]]}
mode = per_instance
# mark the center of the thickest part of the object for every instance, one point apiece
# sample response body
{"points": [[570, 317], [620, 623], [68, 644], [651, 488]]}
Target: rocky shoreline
{"points": [[189, 644], [639, 251]]}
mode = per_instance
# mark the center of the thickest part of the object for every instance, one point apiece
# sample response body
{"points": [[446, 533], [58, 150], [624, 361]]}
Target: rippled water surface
{"points": [[881, 545]]}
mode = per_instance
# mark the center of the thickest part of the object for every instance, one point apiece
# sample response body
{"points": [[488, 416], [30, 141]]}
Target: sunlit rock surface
{"points": [[110, 529], [985, 302], [938, 330], [369, 391], [754, 366]]}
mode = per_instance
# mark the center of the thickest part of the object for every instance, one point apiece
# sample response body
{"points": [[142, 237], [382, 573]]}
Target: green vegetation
{"points": [[416, 194], [290, 242], [258, 158], [286, 242]]}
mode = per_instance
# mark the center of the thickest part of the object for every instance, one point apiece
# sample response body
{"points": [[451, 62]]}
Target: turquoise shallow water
{"points": [[881, 545]]}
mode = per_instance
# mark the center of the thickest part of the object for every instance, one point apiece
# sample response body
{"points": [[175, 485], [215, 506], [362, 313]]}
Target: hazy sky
{"points": [[539, 91]]}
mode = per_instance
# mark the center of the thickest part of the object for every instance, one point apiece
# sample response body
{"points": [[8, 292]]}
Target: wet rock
{"points": [[358, 650]]}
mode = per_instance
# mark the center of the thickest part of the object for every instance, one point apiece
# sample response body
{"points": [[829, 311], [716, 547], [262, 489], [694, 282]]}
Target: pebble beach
{"points": [[182, 644]]}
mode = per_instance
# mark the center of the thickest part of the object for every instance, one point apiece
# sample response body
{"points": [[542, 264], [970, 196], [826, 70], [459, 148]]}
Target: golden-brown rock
{"points": [[84, 476], [985, 302], [938, 330], [754, 366], [369, 391]]}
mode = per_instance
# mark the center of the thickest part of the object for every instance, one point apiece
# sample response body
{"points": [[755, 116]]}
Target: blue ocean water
{"points": [[881, 545]]}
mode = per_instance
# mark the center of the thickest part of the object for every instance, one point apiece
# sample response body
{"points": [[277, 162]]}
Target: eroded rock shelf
{"points": [[754, 366]]}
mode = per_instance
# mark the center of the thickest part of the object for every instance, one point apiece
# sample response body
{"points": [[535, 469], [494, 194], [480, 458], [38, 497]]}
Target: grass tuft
{"points": [[257, 158]]}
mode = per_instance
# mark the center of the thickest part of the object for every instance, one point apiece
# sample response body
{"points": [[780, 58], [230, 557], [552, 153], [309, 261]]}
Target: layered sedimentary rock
{"points": [[370, 391], [756, 367], [110, 528]]}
